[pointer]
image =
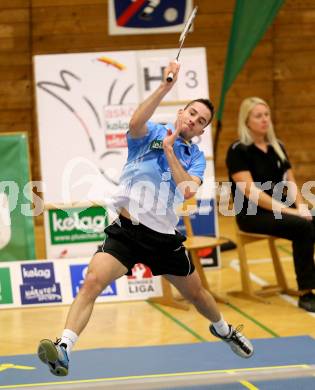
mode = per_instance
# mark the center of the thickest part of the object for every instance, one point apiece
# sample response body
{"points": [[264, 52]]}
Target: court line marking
{"points": [[249, 385], [232, 306], [178, 322], [168, 375], [256, 322], [200, 338], [6, 366], [284, 249]]}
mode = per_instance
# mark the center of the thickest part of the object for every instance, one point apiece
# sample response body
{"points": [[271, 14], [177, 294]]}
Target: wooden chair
{"points": [[248, 292], [193, 244]]}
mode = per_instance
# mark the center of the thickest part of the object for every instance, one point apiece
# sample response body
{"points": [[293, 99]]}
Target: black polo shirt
{"points": [[266, 169]]}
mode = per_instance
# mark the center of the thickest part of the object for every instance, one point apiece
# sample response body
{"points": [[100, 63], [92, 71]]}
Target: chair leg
{"points": [[277, 265], [280, 276], [244, 269], [247, 288]]}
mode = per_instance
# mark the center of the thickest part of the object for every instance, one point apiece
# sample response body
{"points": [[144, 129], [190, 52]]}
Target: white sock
{"points": [[69, 338], [221, 327]]}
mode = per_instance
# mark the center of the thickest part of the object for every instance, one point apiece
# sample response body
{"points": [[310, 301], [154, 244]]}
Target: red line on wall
{"points": [[129, 12]]}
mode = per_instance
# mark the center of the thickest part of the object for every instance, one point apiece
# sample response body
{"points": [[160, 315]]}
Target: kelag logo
{"points": [[78, 273], [5, 286], [39, 272], [76, 225], [39, 285]]}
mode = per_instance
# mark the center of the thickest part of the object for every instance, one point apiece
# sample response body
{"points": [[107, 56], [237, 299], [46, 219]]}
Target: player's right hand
{"points": [[173, 68]]}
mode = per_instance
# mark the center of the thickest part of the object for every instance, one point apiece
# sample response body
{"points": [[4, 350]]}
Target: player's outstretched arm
{"points": [[137, 124]]}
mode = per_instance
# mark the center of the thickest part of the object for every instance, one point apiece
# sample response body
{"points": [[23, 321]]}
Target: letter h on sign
{"points": [[148, 78]]}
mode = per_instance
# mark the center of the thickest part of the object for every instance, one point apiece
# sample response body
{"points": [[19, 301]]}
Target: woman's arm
{"points": [[246, 185]]}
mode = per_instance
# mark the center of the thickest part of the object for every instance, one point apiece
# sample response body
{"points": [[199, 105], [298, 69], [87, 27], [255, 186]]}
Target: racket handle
{"points": [[170, 77]]}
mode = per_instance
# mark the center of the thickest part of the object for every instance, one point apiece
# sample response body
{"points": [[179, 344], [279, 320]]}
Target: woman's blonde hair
{"points": [[244, 132]]}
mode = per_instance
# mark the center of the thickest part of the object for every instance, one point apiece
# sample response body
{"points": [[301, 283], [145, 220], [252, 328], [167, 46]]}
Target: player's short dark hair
{"points": [[207, 103]]}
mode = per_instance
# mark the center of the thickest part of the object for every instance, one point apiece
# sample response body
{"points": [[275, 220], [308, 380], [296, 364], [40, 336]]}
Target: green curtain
{"points": [[16, 238], [251, 20]]}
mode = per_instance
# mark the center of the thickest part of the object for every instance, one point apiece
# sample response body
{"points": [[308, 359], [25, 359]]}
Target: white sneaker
{"points": [[55, 356], [237, 342]]}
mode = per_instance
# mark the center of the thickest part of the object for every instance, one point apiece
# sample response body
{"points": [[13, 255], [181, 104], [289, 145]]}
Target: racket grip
{"points": [[170, 77]]}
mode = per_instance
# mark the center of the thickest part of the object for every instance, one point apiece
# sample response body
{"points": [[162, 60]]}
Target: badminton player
{"points": [[162, 170]]}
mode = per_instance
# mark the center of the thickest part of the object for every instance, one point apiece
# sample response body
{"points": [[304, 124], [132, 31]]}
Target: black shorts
{"points": [[132, 244]]}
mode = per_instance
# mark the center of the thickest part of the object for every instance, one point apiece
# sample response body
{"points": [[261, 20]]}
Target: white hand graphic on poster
{"points": [[73, 127]]}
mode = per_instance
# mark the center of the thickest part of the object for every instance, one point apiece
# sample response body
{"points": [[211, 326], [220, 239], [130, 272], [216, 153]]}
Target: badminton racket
{"points": [[182, 37]]}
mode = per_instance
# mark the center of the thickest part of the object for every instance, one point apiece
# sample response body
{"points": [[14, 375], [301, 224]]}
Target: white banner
{"points": [[84, 102], [54, 282]]}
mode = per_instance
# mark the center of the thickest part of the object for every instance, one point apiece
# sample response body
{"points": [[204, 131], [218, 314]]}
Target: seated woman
{"points": [[266, 198]]}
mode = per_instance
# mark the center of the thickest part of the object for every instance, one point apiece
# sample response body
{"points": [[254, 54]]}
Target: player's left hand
{"points": [[170, 138]]}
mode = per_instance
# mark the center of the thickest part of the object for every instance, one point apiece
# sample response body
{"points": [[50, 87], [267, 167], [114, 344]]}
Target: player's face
{"points": [[194, 119]]}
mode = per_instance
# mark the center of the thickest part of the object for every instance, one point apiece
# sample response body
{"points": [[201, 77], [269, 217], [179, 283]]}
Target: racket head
{"points": [[188, 24], [182, 37]]}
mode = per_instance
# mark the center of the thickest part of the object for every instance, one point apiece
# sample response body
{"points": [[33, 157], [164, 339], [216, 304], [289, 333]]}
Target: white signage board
{"points": [[57, 281], [84, 102]]}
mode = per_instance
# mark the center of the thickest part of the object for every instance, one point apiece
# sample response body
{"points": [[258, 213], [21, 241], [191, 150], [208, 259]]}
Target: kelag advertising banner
{"points": [[58, 281], [16, 220], [74, 232]]}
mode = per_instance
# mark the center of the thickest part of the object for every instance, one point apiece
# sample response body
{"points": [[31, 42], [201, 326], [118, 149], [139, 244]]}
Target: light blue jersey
{"points": [[147, 189]]}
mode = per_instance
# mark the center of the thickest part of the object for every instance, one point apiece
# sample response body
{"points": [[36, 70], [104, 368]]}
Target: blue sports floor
{"points": [[279, 363]]}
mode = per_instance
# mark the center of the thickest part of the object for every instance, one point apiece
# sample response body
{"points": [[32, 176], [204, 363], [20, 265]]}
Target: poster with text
{"points": [[84, 104]]}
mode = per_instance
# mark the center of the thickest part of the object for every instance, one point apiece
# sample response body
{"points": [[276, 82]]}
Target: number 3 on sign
{"points": [[193, 76], [191, 80]]}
